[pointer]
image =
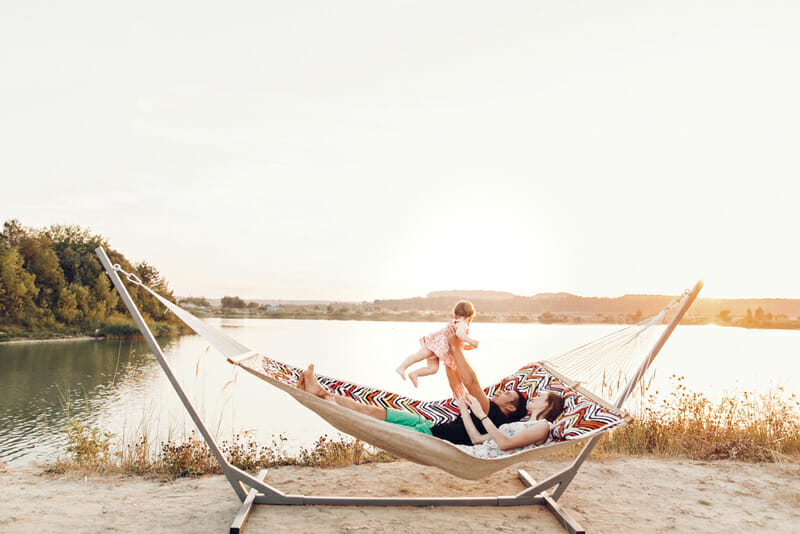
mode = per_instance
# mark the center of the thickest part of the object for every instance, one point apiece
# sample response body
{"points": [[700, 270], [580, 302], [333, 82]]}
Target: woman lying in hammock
{"points": [[544, 408], [505, 407]]}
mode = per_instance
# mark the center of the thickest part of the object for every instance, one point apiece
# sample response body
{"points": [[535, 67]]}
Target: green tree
{"points": [[13, 233], [54, 275], [42, 262], [67, 306], [75, 248], [17, 288], [233, 302], [80, 240], [82, 300], [106, 298], [79, 268]]}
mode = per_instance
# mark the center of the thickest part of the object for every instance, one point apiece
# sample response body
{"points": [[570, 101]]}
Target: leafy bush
{"points": [[88, 445]]}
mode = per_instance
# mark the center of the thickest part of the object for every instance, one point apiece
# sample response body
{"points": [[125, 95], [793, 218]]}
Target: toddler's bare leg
{"points": [[418, 356], [430, 368]]}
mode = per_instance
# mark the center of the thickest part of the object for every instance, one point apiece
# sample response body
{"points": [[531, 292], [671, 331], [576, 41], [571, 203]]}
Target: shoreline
{"points": [[609, 494], [51, 340], [421, 319]]}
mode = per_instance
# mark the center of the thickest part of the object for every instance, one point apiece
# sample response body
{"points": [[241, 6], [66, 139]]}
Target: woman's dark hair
{"points": [[520, 407], [464, 308], [555, 405]]}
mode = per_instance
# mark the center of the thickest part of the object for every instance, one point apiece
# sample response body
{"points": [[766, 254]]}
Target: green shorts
{"points": [[411, 420]]}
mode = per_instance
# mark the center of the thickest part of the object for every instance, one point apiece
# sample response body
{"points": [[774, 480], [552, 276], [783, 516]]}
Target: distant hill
{"points": [[503, 302], [471, 294]]}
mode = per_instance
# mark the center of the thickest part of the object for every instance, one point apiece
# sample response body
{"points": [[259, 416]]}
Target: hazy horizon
{"points": [[311, 299], [359, 150]]}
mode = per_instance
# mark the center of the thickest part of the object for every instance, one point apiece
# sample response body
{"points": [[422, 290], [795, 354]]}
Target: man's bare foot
{"points": [[310, 383], [401, 372], [413, 378]]}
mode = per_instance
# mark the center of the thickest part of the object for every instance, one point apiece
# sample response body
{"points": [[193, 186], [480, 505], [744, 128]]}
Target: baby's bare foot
{"points": [[413, 378], [401, 372]]}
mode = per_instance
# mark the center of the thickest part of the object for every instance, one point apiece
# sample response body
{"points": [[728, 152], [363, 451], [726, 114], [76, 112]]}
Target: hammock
{"points": [[611, 365], [585, 415]]}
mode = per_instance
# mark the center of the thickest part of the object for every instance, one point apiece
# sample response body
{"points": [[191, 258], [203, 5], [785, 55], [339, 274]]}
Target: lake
{"points": [[120, 386]]}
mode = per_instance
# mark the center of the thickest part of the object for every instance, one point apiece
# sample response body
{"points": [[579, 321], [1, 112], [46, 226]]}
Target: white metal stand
{"points": [[253, 490]]}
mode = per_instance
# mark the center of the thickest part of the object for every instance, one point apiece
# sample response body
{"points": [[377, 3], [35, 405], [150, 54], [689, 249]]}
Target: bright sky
{"points": [[368, 149]]}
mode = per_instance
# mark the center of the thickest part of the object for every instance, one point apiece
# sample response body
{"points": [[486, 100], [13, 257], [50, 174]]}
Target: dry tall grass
{"points": [[741, 426], [744, 426], [92, 450]]}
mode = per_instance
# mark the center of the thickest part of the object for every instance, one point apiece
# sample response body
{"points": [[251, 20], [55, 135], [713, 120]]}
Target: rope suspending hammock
{"points": [[611, 365]]}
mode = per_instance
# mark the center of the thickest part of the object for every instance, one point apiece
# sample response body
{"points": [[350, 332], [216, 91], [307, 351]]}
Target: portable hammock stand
{"points": [[254, 490]]}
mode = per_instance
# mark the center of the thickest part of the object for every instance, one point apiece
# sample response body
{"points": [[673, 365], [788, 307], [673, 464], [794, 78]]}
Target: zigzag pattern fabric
{"points": [[581, 414]]}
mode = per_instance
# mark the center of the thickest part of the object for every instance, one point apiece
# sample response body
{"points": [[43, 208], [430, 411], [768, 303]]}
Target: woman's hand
{"points": [[462, 404], [475, 406]]}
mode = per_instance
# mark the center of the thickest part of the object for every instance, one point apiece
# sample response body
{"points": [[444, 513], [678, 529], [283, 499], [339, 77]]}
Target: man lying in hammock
{"points": [[505, 407]]}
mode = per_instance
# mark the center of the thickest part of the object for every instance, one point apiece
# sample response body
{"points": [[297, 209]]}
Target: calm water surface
{"points": [[120, 386]]}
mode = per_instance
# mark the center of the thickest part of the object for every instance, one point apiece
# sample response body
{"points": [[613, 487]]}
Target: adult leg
{"points": [[309, 383], [430, 368], [418, 356]]}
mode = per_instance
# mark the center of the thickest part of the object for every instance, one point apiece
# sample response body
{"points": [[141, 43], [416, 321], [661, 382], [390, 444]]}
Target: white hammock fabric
{"points": [[605, 363]]}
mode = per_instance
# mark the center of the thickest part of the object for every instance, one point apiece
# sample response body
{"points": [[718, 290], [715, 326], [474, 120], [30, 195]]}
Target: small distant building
{"points": [[276, 307]]}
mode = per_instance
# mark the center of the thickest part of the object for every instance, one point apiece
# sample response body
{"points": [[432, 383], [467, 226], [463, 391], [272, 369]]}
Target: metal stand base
{"points": [[524, 498], [563, 517], [247, 506]]}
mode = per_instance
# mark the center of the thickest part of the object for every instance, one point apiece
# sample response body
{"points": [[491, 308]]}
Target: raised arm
{"points": [[455, 383], [465, 371]]}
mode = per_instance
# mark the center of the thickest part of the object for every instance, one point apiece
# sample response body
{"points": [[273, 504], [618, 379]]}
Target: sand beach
{"points": [[610, 494]]}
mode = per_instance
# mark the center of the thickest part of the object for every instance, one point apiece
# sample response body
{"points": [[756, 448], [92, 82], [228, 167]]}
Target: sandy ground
{"points": [[621, 494]]}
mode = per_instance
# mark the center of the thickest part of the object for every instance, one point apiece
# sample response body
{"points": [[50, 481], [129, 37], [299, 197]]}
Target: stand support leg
{"points": [[558, 512], [247, 506]]}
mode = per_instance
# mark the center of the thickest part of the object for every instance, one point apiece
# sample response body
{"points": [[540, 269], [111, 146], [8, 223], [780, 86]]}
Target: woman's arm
{"points": [[474, 436], [534, 434]]}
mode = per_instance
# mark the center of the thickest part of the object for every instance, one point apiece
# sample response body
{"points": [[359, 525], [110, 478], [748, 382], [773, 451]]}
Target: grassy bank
{"points": [[113, 328], [91, 449], [745, 427]]}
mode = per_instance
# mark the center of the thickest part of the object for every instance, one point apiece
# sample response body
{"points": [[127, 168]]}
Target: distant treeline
{"points": [[741, 312], [51, 279]]}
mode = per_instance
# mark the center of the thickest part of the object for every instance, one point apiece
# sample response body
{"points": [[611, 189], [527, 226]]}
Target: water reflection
{"points": [[43, 384]]}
